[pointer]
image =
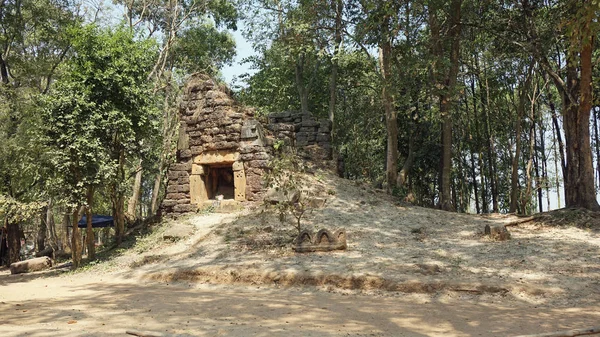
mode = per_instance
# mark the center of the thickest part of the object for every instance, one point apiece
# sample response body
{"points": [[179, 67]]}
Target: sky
{"points": [[244, 49]]}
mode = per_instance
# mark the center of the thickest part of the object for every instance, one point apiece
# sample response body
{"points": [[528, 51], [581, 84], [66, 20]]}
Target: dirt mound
{"points": [[391, 248]]}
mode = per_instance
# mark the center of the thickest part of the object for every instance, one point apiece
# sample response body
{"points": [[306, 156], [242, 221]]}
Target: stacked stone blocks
{"points": [[214, 133]]}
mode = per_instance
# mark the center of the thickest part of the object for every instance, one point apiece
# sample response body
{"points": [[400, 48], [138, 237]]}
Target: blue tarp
{"points": [[98, 221]]}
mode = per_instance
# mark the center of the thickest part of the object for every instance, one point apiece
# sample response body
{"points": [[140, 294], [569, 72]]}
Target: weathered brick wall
{"points": [[214, 131], [213, 126], [304, 131]]}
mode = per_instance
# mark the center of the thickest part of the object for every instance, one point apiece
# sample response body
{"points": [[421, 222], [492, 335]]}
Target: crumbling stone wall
{"points": [[218, 138], [214, 132], [303, 131]]}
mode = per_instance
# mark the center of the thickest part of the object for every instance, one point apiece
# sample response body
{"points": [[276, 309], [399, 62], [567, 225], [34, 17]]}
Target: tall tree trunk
{"points": [[597, 144], [3, 71], [473, 142], [338, 6], [50, 223], [447, 93], [13, 240], [40, 240], [91, 242], [119, 200], [75, 238], [168, 132], [135, 194], [302, 90], [538, 181], [66, 222], [560, 145], [544, 182], [408, 163], [391, 117], [156, 189], [555, 130], [576, 94], [527, 195], [514, 176], [491, 151], [579, 186]]}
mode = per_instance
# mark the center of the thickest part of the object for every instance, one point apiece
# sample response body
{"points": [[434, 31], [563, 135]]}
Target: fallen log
{"points": [[27, 266], [46, 252], [568, 333], [520, 221]]}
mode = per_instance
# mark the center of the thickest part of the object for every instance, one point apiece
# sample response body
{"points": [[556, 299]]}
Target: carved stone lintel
{"points": [[323, 241]]}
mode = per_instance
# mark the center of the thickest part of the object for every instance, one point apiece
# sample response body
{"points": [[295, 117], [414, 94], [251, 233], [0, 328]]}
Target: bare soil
{"points": [[408, 271]]}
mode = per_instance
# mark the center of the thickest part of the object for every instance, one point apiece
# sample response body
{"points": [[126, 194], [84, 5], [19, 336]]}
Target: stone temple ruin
{"points": [[223, 151]]}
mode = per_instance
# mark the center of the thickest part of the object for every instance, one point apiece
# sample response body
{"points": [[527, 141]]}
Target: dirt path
{"points": [[92, 305]]}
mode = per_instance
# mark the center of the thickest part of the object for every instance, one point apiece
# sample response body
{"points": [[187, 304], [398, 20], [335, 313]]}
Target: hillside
{"points": [[391, 247], [406, 253]]}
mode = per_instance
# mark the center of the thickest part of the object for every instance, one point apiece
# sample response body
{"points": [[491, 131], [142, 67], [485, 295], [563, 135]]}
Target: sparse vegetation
{"points": [[285, 178]]}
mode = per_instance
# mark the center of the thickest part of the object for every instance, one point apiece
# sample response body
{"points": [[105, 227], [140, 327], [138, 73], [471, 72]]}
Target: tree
{"points": [[33, 44], [98, 116], [445, 46], [189, 41], [575, 87]]}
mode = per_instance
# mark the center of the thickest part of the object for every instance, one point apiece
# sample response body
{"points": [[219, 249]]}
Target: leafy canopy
{"points": [[101, 108]]}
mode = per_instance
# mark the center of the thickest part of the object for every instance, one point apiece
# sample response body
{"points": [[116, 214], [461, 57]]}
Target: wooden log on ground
{"points": [[568, 333], [520, 221], [496, 232], [46, 252], [27, 266]]}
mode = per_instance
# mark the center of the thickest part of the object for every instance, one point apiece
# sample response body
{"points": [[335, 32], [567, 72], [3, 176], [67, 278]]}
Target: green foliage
{"points": [[16, 212], [100, 108], [202, 48]]}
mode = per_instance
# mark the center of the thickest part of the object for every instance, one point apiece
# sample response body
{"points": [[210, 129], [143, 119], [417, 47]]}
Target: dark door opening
{"points": [[220, 182]]}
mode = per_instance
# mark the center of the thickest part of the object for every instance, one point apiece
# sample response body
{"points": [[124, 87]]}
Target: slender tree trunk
{"points": [[491, 151], [66, 222], [597, 144], [302, 90], [3, 71], [75, 239], [527, 195], [391, 118], [538, 185], [408, 163], [544, 182], [51, 226], [156, 189], [40, 241], [447, 94], [560, 145], [514, 177], [135, 194], [555, 145], [472, 142], [338, 6], [91, 242], [119, 201], [169, 122]]}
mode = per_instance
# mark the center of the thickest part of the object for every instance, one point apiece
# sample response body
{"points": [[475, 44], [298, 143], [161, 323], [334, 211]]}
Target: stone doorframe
{"points": [[198, 192]]}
